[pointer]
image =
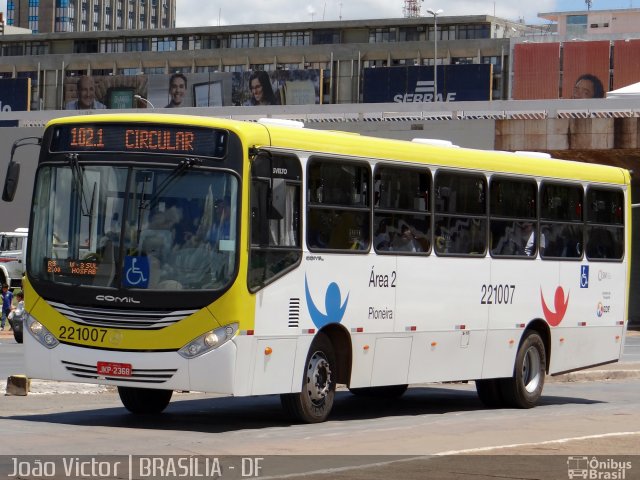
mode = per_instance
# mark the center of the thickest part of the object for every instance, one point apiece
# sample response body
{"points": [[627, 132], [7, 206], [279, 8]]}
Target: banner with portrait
{"points": [[207, 89], [281, 87], [585, 69], [99, 92]]}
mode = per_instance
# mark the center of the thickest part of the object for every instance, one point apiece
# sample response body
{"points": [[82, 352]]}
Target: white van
{"points": [[13, 255]]}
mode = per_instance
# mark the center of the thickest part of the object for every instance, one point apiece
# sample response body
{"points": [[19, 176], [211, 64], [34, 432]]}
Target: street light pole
{"points": [[435, 14]]}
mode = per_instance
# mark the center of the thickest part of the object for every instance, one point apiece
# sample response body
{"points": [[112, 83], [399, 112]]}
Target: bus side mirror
{"points": [[11, 181]]}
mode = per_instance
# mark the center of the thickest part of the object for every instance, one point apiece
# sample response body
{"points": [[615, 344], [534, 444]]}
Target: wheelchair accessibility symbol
{"points": [[136, 272]]}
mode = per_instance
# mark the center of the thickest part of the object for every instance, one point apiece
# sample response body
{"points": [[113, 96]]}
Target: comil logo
{"points": [[597, 469], [423, 93]]}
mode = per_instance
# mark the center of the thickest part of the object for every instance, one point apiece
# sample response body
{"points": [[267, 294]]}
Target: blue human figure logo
{"points": [[136, 272], [332, 300]]}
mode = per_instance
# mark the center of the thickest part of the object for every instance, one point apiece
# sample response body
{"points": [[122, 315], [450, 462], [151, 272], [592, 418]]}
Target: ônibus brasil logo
{"points": [[560, 305]]}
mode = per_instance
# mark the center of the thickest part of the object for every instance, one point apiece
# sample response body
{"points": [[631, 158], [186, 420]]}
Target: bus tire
{"points": [[313, 404], [17, 335], [144, 401], [489, 392], [386, 391], [524, 389]]}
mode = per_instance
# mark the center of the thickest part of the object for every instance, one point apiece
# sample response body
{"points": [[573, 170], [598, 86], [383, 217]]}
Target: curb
{"points": [[596, 375]]}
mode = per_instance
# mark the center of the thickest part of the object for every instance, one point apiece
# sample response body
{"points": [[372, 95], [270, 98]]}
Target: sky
{"points": [[193, 13]]}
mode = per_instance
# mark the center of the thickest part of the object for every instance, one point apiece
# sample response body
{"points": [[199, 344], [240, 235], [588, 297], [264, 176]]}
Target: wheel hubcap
{"points": [[318, 378], [531, 369]]}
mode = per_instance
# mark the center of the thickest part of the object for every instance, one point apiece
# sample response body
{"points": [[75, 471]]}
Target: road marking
{"points": [[533, 444]]}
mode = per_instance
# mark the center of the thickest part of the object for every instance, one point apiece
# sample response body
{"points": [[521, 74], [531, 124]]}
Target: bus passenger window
{"points": [[338, 213], [461, 219], [561, 221], [605, 224], [513, 218], [402, 220]]}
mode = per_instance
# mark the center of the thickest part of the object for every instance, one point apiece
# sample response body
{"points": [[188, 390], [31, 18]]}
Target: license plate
{"points": [[111, 369]]}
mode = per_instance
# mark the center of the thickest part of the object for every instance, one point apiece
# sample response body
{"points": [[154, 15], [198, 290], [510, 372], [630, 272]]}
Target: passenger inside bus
{"points": [[382, 240], [405, 241]]}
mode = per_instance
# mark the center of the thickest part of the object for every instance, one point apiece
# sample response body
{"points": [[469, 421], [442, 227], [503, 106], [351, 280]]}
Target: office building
{"points": [[46, 16]]}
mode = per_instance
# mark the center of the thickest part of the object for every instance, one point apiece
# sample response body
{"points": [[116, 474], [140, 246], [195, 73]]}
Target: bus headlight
{"points": [[209, 341], [40, 333]]}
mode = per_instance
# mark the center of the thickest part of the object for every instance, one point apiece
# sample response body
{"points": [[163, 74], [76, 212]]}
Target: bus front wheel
{"points": [[524, 389], [144, 401], [313, 404]]}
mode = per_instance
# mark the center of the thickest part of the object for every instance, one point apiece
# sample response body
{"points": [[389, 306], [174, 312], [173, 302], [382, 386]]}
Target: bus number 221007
{"points": [[497, 294]]}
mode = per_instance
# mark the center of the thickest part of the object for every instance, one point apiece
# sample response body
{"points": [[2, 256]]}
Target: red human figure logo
{"points": [[560, 305]]}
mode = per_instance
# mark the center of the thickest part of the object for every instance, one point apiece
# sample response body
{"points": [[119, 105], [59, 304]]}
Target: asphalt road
{"points": [[433, 431]]}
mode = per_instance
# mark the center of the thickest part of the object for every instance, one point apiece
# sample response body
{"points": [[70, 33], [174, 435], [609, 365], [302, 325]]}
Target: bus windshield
{"points": [[155, 228]]}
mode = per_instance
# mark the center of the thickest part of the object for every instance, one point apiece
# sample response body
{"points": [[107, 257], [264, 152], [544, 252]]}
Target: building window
{"points": [[265, 67], [234, 68], [462, 60], [109, 45], [271, 39], [294, 39], [163, 44], [242, 40], [326, 37], [469, 32], [86, 46], [409, 34], [37, 48], [445, 32], [128, 71], [374, 63], [576, 24], [206, 68], [153, 70], [210, 43], [136, 45], [382, 35], [13, 50]]}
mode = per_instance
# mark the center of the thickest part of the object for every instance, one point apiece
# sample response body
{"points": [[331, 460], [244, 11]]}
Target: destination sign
{"points": [[159, 139], [74, 268]]}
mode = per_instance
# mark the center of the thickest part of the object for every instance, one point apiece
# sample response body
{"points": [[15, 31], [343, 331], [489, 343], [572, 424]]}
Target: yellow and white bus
{"points": [[171, 252]]}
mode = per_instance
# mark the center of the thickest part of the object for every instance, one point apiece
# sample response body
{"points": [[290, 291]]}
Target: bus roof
{"points": [[265, 134]]}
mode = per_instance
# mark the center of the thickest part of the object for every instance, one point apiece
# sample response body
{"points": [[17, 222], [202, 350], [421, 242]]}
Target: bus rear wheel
{"points": [[313, 404], [489, 392], [524, 389], [144, 401]]}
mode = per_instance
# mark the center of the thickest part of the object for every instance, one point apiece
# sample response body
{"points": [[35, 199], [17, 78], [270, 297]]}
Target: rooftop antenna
{"points": [[340, 11], [311, 11], [411, 8], [588, 3]]}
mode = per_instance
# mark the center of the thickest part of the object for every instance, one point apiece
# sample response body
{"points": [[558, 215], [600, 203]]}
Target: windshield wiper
{"points": [[177, 172], [77, 173]]}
